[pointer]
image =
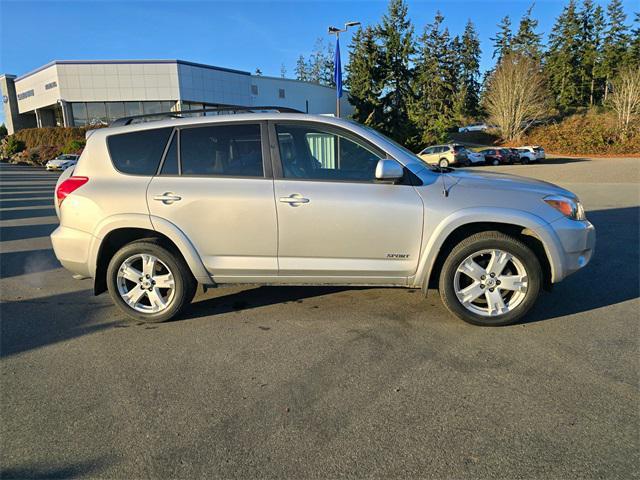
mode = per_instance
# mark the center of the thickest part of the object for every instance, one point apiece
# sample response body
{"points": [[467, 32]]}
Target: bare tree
{"points": [[516, 95], [625, 97]]}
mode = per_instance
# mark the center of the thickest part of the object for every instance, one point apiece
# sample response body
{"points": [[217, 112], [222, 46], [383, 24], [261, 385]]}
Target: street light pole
{"points": [[337, 31]]}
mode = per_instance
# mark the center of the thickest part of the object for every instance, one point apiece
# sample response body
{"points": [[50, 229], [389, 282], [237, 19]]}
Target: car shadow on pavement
{"points": [[26, 324], [611, 277], [260, 296], [563, 160], [40, 470], [13, 264], [24, 232]]}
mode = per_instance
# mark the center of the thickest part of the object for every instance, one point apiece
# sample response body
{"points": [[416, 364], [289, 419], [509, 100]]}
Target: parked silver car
{"points": [[155, 208]]}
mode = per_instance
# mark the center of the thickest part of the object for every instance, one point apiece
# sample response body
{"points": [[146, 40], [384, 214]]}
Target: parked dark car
{"points": [[511, 154], [494, 156]]}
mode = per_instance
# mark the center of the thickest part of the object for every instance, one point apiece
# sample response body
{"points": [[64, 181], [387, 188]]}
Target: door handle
{"points": [[294, 200], [167, 198]]}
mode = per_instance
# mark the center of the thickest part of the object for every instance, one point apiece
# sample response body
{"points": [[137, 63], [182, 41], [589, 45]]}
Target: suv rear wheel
{"points": [[443, 163], [149, 282], [490, 279]]}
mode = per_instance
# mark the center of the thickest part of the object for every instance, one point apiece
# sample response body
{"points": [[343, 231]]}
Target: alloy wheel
{"points": [[145, 283], [491, 282]]}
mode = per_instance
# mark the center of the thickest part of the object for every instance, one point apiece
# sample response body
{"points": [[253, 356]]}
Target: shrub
{"points": [[3, 131], [11, 145], [74, 146], [583, 134]]}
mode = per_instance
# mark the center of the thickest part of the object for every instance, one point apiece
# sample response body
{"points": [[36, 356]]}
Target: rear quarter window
{"points": [[138, 153]]}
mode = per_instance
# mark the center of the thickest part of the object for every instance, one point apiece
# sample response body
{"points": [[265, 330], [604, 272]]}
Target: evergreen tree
{"points": [[563, 58], [527, 41], [502, 40], [434, 85], [396, 39], [301, 69], [469, 59], [590, 49], [364, 81], [326, 73], [633, 57], [615, 42]]}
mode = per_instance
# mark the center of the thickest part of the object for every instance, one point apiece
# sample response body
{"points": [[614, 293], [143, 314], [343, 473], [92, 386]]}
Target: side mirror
{"points": [[388, 169]]}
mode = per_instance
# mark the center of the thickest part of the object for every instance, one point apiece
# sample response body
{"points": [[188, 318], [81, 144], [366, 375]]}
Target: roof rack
{"points": [[226, 109]]}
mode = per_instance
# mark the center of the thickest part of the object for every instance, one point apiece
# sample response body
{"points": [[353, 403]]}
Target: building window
{"points": [[132, 108], [96, 113], [79, 114], [115, 110], [254, 89], [50, 85], [151, 107], [281, 93], [167, 106]]}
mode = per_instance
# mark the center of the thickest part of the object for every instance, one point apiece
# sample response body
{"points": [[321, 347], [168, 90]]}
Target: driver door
{"points": [[336, 223]]}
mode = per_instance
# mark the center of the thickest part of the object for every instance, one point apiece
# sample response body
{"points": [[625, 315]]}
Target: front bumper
{"points": [[578, 242], [71, 247]]}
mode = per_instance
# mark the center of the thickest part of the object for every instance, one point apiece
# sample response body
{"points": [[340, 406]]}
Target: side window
{"points": [[428, 151], [310, 153], [233, 150], [170, 165], [138, 153]]}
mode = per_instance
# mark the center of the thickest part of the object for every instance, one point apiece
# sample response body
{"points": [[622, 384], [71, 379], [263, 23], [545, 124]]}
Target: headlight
{"points": [[569, 207]]}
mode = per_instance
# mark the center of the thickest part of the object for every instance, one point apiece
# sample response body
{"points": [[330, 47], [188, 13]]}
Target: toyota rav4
{"points": [[153, 209]]}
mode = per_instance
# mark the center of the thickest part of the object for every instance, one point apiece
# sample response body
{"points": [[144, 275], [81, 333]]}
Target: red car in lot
{"points": [[495, 156]]}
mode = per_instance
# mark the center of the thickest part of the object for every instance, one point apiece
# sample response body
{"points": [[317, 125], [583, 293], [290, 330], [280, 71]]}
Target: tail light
{"points": [[70, 185]]}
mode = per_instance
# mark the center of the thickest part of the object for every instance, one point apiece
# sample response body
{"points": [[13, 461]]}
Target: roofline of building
{"points": [[294, 80], [7, 75], [129, 62]]}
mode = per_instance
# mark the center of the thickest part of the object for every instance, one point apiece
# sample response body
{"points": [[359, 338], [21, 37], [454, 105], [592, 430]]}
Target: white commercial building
{"points": [[79, 93]]}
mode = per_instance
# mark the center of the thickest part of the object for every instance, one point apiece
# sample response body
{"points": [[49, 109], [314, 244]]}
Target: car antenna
{"points": [[445, 192]]}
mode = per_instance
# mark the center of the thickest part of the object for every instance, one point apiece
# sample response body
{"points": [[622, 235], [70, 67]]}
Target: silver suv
{"points": [[153, 209]]}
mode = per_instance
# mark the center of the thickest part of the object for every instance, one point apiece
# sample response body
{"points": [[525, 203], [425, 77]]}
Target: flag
{"points": [[337, 70]]}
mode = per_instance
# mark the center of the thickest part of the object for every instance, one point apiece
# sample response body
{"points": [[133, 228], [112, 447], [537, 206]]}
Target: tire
{"points": [[171, 300], [443, 163], [515, 302], [495, 163]]}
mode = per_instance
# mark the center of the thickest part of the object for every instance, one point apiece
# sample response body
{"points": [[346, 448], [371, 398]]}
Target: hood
{"points": [[505, 181]]}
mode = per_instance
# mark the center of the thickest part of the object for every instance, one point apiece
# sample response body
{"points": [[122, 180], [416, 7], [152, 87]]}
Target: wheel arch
{"points": [[526, 227], [160, 230]]}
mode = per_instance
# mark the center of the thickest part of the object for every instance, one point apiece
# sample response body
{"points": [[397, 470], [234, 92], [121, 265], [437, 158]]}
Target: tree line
{"points": [[416, 87]]}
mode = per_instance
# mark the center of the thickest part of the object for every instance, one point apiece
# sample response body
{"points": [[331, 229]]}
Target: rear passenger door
{"points": [[215, 185]]}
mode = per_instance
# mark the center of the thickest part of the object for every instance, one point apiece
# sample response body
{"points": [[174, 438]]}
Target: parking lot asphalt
{"points": [[293, 382]]}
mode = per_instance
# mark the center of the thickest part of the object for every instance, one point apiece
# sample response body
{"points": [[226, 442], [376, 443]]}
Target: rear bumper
{"points": [[72, 247]]}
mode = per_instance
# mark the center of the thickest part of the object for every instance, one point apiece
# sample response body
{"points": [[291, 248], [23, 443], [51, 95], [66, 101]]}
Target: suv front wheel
{"points": [[490, 279], [148, 282]]}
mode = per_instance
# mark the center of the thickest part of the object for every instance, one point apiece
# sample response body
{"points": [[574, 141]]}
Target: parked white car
{"points": [[475, 157], [62, 162], [536, 150], [474, 127]]}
